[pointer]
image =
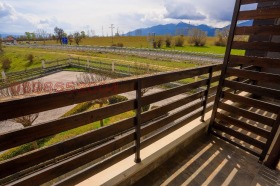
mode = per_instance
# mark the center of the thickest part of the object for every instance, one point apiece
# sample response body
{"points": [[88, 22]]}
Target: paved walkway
{"points": [[211, 161]]}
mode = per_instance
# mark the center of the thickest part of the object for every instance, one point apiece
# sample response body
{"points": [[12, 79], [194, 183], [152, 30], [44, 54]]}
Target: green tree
{"points": [[59, 33], [83, 34], [79, 36], [28, 36]]}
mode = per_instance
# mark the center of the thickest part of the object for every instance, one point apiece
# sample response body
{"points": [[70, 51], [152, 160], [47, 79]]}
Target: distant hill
{"points": [[171, 29], [177, 29]]}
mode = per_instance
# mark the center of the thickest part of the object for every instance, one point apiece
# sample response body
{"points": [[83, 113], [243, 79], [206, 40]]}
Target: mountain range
{"points": [[178, 29]]}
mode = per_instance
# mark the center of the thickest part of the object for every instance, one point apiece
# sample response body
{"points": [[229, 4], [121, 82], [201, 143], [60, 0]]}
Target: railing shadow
{"points": [[210, 161]]}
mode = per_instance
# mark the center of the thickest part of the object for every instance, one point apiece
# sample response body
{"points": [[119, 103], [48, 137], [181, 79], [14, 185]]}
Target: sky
{"points": [[20, 16]]}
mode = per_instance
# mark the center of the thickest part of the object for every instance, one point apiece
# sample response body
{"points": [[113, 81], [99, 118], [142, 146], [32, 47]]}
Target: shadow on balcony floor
{"points": [[211, 161]]}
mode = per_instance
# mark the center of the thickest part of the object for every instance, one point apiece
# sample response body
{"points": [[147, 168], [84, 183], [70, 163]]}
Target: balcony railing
{"points": [[109, 144]]}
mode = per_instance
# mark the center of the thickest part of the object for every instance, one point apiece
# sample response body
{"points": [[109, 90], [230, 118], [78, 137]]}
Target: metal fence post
{"points": [[138, 122], [207, 93]]}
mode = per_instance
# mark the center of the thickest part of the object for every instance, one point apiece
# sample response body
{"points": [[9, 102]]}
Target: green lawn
{"points": [[19, 62], [207, 49]]}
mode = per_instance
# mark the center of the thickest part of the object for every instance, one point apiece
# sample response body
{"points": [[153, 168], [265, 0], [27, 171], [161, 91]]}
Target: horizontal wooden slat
{"points": [[41, 103], [90, 171], [215, 133], [258, 90], [258, 30], [152, 98], [10, 167], [170, 128], [172, 117], [256, 61], [239, 136], [171, 106], [23, 136], [264, 46], [244, 2], [242, 125], [159, 79], [253, 75], [246, 114], [266, 13], [63, 167], [251, 102]]}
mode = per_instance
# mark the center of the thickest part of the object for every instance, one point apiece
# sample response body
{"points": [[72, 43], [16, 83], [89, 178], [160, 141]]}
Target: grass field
{"points": [[19, 62], [142, 42]]}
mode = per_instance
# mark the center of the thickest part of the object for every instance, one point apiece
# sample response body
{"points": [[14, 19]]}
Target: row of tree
{"points": [[195, 37], [59, 33]]}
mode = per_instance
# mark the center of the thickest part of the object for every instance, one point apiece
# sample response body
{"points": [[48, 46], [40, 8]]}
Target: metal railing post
{"points": [[207, 93], [138, 122]]}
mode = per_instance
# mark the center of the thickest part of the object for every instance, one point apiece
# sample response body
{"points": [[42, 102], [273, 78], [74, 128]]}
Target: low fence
{"points": [[112, 143], [49, 67]]}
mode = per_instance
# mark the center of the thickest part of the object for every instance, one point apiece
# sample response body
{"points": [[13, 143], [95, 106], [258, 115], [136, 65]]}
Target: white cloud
{"points": [[6, 10], [180, 9], [71, 15], [16, 22]]}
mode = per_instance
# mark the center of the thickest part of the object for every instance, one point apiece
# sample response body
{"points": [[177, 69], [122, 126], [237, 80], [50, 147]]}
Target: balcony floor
{"points": [[211, 161]]}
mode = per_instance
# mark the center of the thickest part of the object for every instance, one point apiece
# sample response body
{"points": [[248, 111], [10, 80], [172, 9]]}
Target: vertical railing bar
{"points": [[207, 93], [138, 121]]}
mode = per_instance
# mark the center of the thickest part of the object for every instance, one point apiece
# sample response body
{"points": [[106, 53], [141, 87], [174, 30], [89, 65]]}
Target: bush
{"points": [[78, 109], [120, 45], [197, 37], [179, 41], [168, 41], [6, 64], [117, 99], [30, 59], [159, 42], [154, 44], [222, 36]]}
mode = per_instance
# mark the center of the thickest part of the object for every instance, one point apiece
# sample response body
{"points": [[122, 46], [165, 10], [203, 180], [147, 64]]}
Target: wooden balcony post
{"points": [[138, 122], [207, 93]]}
